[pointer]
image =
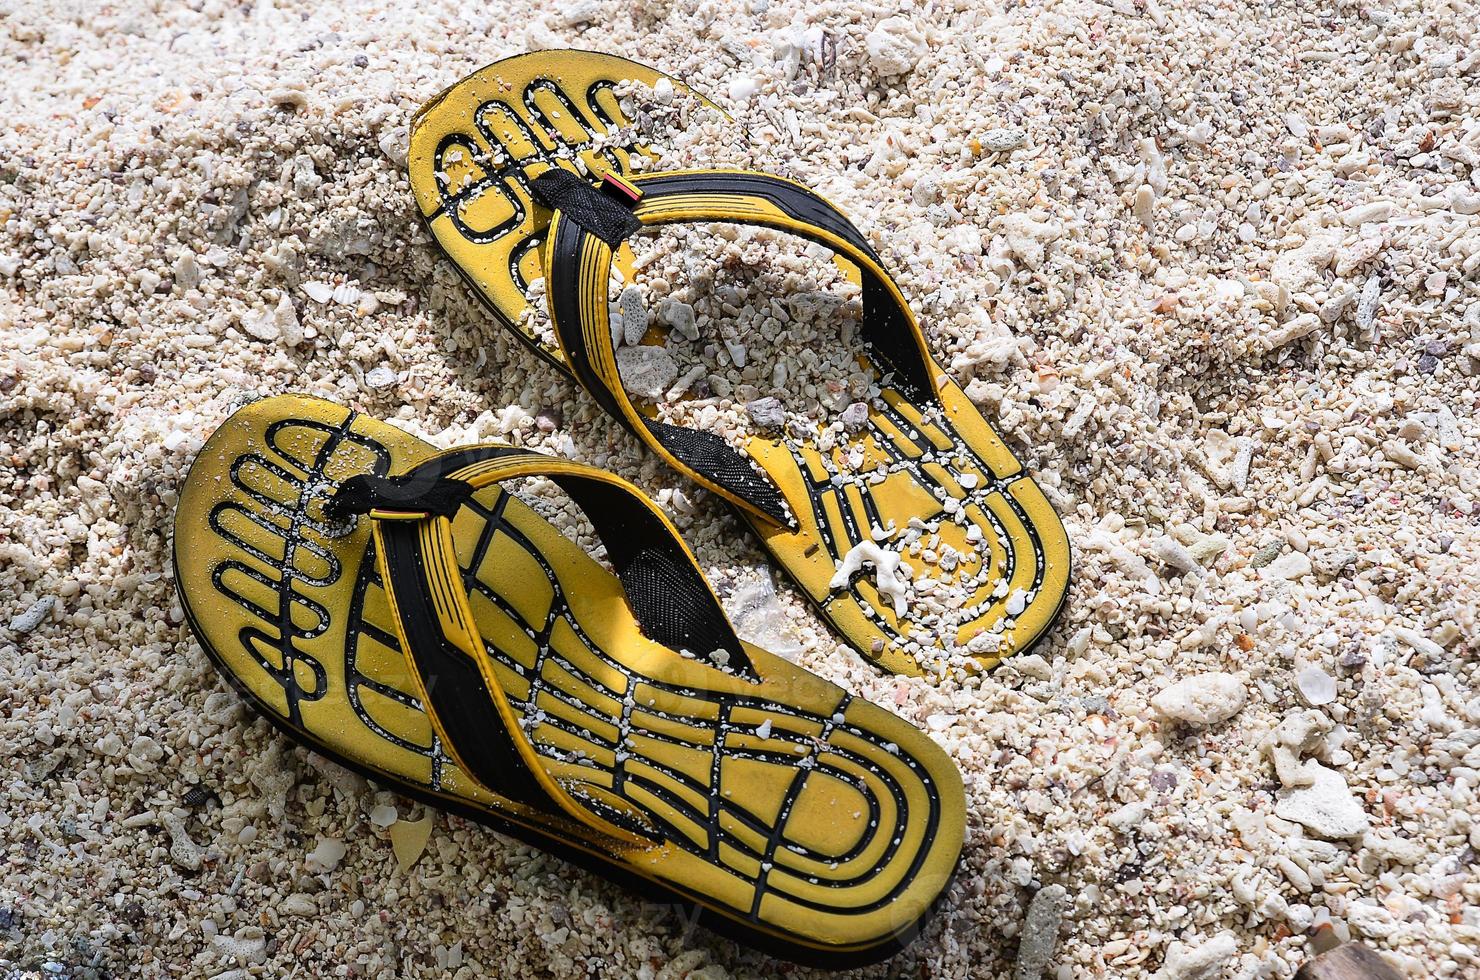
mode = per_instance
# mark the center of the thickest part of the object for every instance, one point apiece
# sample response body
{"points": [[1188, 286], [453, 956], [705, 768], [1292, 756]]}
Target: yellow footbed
{"points": [[785, 805]]}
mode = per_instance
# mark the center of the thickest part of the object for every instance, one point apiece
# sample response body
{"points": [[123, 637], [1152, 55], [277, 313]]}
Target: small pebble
{"points": [[409, 840], [742, 88], [299, 903], [319, 292], [634, 315], [647, 371], [1002, 140], [1040, 933], [1206, 699], [1194, 960], [1292, 565], [767, 413], [380, 376], [854, 417], [1327, 807], [327, 854], [679, 317], [894, 46], [1315, 685], [32, 617]]}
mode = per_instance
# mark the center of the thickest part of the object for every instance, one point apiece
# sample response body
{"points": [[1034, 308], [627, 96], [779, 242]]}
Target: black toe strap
{"points": [[600, 214], [663, 585]]}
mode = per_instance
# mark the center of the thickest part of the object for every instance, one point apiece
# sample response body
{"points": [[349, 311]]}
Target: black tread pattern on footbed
{"points": [[503, 172], [305, 530], [909, 450]]}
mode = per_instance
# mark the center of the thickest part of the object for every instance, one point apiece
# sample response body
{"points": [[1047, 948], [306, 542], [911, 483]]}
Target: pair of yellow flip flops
{"points": [[398, 609]]}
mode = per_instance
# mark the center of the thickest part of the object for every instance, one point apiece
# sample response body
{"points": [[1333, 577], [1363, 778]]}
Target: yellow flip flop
{"points": [[398, 610], [926, 480]]}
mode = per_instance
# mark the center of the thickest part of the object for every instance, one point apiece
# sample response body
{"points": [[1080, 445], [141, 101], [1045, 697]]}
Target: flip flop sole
{"points": [[476, 147], [834, 863]]}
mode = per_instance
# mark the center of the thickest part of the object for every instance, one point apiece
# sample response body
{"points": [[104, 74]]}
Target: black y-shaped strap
{"points": [[577, 268]]}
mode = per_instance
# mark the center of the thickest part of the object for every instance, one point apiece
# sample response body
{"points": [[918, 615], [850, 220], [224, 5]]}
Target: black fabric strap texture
{"points": [[412, 494], [709, 454], [601, 215], [668, 596]]}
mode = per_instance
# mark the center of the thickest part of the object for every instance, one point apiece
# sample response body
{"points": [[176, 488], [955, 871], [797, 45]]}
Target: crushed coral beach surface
{"points": [[1213, 269]]}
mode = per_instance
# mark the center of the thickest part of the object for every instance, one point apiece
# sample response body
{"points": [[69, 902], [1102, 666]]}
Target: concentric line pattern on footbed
{"points": [[925, 452], [655, 743], [283, 500]]}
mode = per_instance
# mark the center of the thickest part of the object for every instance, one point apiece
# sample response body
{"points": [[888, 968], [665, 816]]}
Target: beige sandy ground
{"points": [[1212, 267]]}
